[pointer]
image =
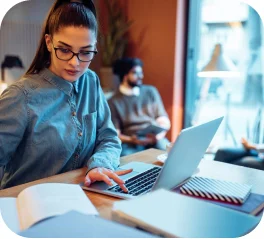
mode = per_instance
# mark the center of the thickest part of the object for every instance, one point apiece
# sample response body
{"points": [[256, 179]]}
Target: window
{"points": [[224, 73]]}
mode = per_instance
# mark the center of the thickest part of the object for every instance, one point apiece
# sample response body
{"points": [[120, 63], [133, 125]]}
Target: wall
{"points": [[157, 37], [21, 28], [32, 11]]}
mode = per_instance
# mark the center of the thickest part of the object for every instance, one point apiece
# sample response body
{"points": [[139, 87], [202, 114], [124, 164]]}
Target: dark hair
{"points": [[63, 13], [122, 66], [87, 3]]}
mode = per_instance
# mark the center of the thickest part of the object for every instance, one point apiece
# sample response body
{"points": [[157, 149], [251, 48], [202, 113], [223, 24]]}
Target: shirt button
{"points": [[80, 134], [74, 113]]}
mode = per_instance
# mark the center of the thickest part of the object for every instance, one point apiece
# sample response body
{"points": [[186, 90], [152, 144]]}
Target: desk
{"points": [[103, 203]]}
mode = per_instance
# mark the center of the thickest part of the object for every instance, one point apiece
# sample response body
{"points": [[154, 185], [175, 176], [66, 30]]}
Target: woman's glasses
{"points": [[65, 54]]}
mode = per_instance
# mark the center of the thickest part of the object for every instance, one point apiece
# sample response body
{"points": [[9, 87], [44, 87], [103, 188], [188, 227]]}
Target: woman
{"points": [[56, 119]]}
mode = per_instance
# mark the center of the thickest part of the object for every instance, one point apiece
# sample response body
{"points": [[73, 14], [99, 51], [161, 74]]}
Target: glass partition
{"points": [[224, 73]]}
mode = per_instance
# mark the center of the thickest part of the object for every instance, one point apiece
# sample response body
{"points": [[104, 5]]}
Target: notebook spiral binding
{"points": [[214, 189]]}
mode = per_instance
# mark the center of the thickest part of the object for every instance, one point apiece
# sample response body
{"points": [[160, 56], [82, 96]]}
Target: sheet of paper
{"points": [[173, 215]]}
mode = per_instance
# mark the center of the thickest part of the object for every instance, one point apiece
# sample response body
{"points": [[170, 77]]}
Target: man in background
{"points": [[135, 106]]}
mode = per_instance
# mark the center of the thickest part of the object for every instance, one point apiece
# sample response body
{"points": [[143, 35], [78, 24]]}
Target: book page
{"points": [[9, 213], [50, 199]]}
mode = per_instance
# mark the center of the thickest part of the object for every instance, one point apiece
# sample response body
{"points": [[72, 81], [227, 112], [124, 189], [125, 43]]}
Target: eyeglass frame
{"points": [[73, 53]]}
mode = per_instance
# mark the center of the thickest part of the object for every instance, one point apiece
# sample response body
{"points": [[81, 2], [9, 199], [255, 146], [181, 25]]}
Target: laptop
{"points": [[183, 159]]}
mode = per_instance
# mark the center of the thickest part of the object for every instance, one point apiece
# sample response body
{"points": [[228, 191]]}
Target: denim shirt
{"points": [[49, 126]]}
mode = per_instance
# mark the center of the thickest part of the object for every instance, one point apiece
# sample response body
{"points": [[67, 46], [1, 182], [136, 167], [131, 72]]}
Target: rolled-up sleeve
{"points": [[108, 146], [13, 121]]}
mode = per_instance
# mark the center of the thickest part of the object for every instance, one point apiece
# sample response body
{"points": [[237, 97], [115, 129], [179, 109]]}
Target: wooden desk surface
{"points": [[206, 168]]}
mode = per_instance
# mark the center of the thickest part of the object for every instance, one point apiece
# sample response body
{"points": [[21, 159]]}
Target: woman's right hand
{"points": [[104, 174]]}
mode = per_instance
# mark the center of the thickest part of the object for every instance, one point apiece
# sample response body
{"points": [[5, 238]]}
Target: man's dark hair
{"points": [[122, 66]]}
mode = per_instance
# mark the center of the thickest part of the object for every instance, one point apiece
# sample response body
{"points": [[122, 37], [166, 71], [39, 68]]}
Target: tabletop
{"points": [[103, 203]]}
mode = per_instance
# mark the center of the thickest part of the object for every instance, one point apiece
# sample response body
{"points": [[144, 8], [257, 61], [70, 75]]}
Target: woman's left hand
{"points": [[104, 174]]}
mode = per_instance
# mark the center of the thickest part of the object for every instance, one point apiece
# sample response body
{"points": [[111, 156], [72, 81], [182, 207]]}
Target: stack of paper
{"points": [[217, 189]]}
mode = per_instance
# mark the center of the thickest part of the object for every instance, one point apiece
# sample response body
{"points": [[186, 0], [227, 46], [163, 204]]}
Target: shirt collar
{"points": [[65, 86], [76, 86], [129, 91]]}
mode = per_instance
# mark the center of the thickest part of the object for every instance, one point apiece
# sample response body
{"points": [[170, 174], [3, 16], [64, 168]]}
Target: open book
{"points": [[43, 201]]}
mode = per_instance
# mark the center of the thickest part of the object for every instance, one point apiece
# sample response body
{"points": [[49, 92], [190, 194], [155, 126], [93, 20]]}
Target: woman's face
{"points": [[76, 39]]}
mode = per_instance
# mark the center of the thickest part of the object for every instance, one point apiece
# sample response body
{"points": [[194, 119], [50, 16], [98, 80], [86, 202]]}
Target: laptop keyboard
{"points": [[140, 184]]}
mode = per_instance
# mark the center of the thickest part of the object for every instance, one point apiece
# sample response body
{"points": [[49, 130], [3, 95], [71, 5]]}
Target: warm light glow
{"points": [[219, 66]]}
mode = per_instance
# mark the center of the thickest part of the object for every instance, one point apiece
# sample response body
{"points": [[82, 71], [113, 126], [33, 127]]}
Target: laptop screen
{"points": [[186, 154]]}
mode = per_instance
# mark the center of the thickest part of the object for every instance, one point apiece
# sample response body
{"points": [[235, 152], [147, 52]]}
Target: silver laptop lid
{"points": [[186, 154]]}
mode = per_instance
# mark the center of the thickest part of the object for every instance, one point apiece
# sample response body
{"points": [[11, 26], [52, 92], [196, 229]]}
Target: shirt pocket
{"points": [[90, 128]]}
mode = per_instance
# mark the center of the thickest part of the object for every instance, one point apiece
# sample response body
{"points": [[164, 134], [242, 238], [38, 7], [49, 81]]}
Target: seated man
{"points": [[135, 106], [250, 155]]}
